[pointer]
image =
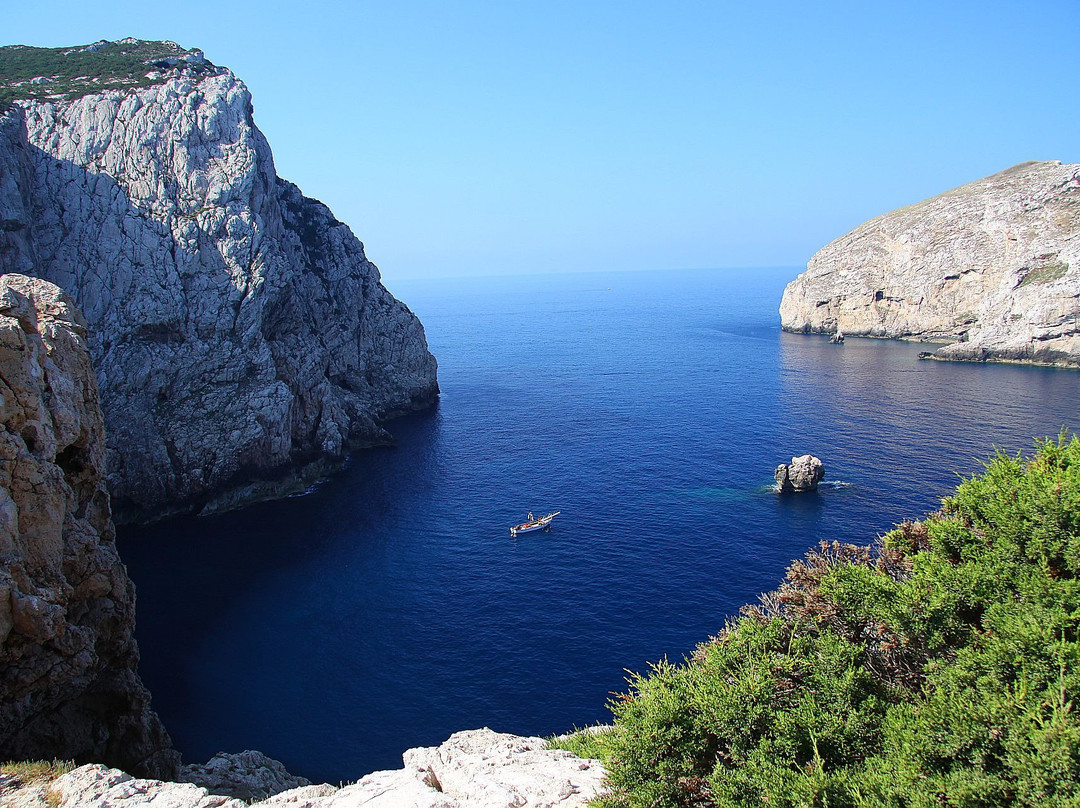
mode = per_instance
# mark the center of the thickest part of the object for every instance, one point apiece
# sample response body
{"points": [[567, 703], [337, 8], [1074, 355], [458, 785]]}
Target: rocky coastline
{"points": [[69, 687], [990, 269], [242, 345], [243, 342]]}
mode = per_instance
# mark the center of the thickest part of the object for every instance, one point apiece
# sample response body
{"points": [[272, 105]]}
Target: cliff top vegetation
{"points": [[937, 667], [63, 73]]}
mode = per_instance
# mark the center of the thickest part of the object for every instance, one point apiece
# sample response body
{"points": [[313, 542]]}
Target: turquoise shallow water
{"points": [[390, 607]]}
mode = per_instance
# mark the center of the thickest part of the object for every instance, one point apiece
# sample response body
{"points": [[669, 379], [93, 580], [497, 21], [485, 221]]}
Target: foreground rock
{"points": [[248, 776], [802, 474], [243, 341], [473, 769], [68, 686], [993, 268]]}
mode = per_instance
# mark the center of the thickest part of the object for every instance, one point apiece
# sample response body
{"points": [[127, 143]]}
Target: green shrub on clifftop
{"points": [[937, 669], [69, 73]]}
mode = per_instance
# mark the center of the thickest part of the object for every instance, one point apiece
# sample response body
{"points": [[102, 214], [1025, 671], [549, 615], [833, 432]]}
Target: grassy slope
{"points": [[938, 668]]}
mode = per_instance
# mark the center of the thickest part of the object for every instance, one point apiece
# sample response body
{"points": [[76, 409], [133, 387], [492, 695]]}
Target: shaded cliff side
{"points": [[68, 682], [993, 268], [241, 337]]}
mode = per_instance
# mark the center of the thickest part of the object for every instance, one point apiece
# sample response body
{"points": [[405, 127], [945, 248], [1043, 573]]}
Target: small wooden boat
{"points": [[532, 523]]}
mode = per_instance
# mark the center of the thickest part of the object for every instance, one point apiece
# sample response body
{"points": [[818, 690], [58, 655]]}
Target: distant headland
{"points": [[991, 268]]}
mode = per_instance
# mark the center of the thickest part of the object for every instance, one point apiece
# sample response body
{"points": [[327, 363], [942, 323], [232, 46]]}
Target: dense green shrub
{"points": [[937, 668]]}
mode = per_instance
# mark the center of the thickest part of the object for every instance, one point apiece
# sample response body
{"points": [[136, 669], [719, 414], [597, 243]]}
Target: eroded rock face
{"points": [[992, 267], [68, 683], [248, 776], [473, 769], [803, 473], [238, 329]]}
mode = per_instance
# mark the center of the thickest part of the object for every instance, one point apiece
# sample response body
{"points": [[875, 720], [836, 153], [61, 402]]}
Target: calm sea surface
{"points": [[390, 607]]}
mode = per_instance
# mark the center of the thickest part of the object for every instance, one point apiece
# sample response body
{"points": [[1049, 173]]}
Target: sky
{"points": [[479, 138]]}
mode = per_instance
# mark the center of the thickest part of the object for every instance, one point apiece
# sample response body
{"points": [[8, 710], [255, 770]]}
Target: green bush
{"points": [[937, 668]]}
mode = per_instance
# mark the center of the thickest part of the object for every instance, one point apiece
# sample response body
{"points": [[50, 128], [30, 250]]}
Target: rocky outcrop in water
{"points": [[243, 341], [473, 769], [68, 683], [803, 473], [993, 268]]}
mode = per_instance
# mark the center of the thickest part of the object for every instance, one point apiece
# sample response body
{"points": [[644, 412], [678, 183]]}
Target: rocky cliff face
{"points": [[992, 268], [68, 686], [238, 330]]}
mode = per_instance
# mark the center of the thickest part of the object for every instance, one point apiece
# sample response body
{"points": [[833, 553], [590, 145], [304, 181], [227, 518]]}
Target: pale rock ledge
{"points": [[473, 769]]}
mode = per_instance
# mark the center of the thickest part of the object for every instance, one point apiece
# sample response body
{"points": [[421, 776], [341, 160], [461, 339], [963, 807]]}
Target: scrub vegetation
{"points": [[1045, 274], [64, 73], [938, 667]]}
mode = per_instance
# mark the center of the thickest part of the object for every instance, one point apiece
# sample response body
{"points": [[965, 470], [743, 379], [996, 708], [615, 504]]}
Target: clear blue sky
{"points": [[488, 137]]}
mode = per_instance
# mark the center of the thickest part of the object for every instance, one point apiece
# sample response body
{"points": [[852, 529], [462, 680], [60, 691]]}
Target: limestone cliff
{"points": [[68, 686], [993, 268], [238, 330]]}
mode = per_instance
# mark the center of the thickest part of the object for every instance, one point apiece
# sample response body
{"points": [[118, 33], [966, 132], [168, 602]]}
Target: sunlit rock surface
{"points": [[993, 268], [473, 769], [243, 342], [803, 473]]}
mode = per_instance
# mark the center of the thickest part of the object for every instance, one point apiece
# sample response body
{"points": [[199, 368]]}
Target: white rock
{"points": [[473, 769], [303, 797], [400, 788], [485, 769], [95, 786], [992, 267]]}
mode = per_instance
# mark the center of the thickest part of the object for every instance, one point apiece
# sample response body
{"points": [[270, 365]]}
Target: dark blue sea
{"points": [[390, 607]]}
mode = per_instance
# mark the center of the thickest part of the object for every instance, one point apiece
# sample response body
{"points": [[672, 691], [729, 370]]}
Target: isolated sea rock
{"points": [[993, 268], [473, 769], [68, 682], [243, 342], [803, 473]]}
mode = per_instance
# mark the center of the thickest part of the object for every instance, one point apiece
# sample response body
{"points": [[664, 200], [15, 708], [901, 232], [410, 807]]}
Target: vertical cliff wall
{"points": [[68, 685], [239, 332], [992, 267]]}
